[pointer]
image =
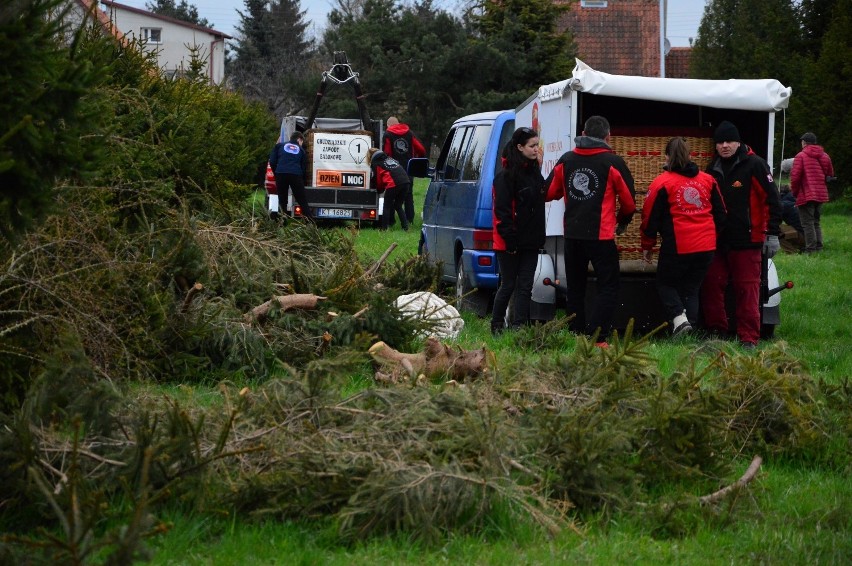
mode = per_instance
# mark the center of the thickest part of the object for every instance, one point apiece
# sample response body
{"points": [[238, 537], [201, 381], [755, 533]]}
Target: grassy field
{"points": [[793, 513]]}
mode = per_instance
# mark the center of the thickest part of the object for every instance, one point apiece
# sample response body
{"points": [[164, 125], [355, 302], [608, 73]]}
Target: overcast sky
{"points": [[683, 15]]}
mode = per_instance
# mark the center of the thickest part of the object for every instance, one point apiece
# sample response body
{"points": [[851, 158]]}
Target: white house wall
{"points": [[174, 50]]}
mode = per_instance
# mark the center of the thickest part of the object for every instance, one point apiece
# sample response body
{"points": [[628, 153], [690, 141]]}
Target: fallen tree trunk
{"points": [[304, 301], [435, 360]]}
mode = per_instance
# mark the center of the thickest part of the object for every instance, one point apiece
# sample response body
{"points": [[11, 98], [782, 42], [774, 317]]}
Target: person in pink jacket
{"points": [[811, 166]]}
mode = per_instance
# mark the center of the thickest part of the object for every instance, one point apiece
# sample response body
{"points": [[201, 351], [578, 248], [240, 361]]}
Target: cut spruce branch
{"points": [[378, 265], [190, 295], [746, 478]]}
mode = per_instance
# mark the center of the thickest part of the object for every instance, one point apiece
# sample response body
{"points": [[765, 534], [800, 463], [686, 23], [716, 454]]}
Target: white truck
{"points": [[644, 113]]}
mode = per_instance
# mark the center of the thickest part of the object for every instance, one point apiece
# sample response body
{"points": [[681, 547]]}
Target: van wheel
{"points": [[468, 299]]}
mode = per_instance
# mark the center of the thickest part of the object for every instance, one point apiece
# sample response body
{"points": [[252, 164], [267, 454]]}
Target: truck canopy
{"points": [[290, 124], [767, 95]]}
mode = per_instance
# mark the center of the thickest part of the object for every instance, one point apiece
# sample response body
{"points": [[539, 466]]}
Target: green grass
{"points": [[792, 513], [790, 516], [372, 243]]}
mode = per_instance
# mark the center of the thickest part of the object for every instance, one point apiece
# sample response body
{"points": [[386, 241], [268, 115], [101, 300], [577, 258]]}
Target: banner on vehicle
{"points": [[340, 160]]}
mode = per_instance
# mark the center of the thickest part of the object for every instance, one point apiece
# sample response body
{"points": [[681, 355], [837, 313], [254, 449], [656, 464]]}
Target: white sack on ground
{"points": [[429, 306]]}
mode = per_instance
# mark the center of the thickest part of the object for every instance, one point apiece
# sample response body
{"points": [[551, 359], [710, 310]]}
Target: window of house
{"points": [[152, 35], [593, 3]]}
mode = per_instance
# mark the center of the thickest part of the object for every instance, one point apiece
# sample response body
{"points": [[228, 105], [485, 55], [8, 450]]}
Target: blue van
{"points": [[457, 217]]}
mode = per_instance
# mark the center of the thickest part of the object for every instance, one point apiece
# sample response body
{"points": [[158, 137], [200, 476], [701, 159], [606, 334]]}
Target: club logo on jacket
{"points": [[584, 183], [291, 148], [689, 200], [400, 145], [737, 184], [390, 163]]}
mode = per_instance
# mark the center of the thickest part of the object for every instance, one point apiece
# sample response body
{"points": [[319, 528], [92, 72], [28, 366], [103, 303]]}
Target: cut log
{"points": [[436, 360], [305, 301]]}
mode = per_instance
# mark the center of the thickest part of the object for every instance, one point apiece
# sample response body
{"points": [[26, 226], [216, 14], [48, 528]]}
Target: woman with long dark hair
{"points": [[519, 226], [685, 207]]}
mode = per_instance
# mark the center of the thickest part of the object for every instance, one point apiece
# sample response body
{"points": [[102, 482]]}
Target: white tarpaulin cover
{"points": [[423, 305], [766, 95]]}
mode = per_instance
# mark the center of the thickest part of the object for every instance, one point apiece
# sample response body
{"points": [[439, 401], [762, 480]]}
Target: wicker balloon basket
{"points": [[645, 157]]}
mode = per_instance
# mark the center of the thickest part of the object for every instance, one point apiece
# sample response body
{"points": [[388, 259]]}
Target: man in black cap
{"points": [[753, 224]]}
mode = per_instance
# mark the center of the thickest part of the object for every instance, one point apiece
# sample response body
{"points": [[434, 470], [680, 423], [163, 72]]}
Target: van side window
{"points": [[455, 154], [476, 153]]}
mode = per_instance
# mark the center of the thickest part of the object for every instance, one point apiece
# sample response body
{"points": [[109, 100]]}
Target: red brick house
{"points": [[622, 37]]}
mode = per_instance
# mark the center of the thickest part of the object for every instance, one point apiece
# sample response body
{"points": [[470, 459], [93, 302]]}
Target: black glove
{"points": [[511, 244]]}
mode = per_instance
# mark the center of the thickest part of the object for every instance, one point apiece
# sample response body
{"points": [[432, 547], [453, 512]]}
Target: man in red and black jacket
{"points": [[590, 179], [753, 224], [400, 143], [391, 180]]}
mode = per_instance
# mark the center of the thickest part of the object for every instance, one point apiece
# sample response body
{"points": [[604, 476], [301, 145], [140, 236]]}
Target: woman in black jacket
{"points": [[519, 226]]}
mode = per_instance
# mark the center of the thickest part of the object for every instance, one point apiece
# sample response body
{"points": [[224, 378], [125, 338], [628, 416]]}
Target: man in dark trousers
{"points": [[400, 143], [392, 181], [590, 179], [289, 163], [753, 225]]}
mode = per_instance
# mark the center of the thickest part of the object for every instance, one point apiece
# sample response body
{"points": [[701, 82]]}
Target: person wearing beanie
{"points": [[811, 167], [391, 180], [726, 132], [752, 226]]}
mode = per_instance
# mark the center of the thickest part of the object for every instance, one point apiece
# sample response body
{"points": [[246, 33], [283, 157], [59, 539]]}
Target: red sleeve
{"points": [[796, 174], [647, 241], [417, 149], [383, 179], [386, 146], [827, 166], [556, 190], [628, 205]]}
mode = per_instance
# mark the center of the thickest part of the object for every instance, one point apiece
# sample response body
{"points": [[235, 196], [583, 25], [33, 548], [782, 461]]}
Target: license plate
{"points": [[334, 213]]}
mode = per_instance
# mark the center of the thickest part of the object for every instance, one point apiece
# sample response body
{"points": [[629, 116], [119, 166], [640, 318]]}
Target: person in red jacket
{"points": [[590, 179], [808, 184], [400, 143], [684, 206], [519, 226], [393, 182], [753, 224]]}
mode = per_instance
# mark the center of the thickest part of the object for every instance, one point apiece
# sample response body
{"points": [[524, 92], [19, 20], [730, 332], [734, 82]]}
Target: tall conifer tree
{"points": [[272, 54]]}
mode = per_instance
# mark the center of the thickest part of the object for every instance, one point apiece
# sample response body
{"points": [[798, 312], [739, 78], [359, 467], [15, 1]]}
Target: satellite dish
{"points": [[667, 46]]}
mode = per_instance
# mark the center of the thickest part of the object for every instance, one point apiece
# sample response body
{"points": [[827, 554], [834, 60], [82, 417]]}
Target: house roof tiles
{"points": [[622, 37]]}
